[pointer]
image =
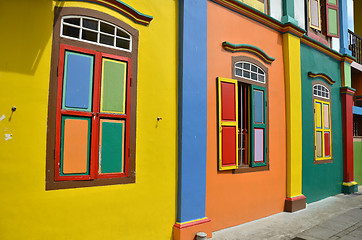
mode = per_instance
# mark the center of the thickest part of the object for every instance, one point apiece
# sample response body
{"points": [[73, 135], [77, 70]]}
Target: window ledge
{"points": [[245, 169], [323, 161]]}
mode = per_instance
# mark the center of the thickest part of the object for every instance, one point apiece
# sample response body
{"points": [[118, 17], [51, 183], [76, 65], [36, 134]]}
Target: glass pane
{"points": [[121, 33], [107, 40], [318, 115], [70, 31], [75, 21], [261, 78], [228, 145], [111, 146], [258, 145], [75, 146], [240, 65], [89, 36], [246, 74], [319, 143], [253, 68], [253, 76], [314, 8], [77, 81], [106, 28], [238, 72], [326, 115], [258, 106], [260, 71], [247, 66], [327, 145], [122, 43], [113, 86], [332, 21], [91, 24]]}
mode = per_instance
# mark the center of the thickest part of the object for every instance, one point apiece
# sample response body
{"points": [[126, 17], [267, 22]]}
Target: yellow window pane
{"points": [[326, 115], [319, 147], [318, 114]]}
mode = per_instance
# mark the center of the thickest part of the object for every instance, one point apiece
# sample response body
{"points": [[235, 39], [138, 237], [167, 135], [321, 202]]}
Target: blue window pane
{"points": [[78, 79], [258, 106]]}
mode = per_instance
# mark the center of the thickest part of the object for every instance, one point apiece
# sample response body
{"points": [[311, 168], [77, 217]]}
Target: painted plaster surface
{"points": [[291, 49], [299, 12], [321, 180], [357, 156], [107, 212], [233, 199]]}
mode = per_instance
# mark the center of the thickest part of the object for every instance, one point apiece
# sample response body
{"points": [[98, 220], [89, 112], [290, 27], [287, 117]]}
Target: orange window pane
{"points": [[75, 146]]}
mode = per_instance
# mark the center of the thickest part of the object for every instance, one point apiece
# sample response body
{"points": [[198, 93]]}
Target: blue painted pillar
{"points": [[343, 28], [192, 118]]}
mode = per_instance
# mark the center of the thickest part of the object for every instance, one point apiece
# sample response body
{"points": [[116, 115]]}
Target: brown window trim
{"points": [[330, 110], [59, 12], [244, 168]]}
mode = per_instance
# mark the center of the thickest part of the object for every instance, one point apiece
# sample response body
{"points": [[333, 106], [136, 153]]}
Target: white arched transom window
{"points": [[95, 31], [249, 71], [320, 91]]}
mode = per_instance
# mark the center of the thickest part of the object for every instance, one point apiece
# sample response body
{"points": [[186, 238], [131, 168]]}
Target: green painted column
{"points": [[288, 12]]}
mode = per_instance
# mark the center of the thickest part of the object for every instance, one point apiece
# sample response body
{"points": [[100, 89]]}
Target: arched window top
{"points": [[96, 31], [249, 71], [320, 91]]}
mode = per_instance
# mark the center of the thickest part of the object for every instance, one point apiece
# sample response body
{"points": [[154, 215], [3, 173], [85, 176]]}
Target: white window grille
{"points": [[249, 71], [95, 31], [320, 91]]}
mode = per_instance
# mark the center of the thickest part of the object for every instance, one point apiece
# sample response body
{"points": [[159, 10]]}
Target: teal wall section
{"points": [[357, 155], [320, 180]]}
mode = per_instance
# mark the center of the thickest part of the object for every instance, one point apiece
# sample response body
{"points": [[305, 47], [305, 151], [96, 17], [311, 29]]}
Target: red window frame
{"points": [[95, 114]]}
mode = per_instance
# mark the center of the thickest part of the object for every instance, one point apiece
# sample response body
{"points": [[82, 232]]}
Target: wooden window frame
{"points": [[53, 110], [249, 168], [322, 100], [335, 7]]}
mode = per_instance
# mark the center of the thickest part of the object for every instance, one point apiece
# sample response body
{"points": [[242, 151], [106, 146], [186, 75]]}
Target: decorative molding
{"points": [[260, 17], [248, 48], [121, 8], [324, 49], [323, 76], [358, 98], [245, 10], [348, 184], [347, 91], [295, 198], [191, 223]]}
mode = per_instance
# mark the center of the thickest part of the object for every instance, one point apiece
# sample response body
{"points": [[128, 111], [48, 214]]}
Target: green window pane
{"points": [[334, 2], [113, 86], [111, 146], [332, 21]]}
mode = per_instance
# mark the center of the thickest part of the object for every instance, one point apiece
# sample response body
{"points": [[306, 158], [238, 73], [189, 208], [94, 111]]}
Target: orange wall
{"points": [[232, 199]]}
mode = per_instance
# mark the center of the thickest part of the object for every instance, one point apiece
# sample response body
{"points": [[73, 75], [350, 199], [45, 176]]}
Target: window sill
{"points": [[245, 169], [323, 161]]}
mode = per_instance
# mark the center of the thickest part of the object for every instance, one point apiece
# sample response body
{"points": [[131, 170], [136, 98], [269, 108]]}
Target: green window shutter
{"points": [[258, 129], [228, 123], [332, 18]]}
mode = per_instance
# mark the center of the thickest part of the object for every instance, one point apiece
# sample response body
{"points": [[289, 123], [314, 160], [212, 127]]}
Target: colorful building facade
{"points": [[148, 120], [52, 190]]}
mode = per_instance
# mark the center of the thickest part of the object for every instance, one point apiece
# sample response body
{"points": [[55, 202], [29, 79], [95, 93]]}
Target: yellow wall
{"points": [[144, 210]]}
